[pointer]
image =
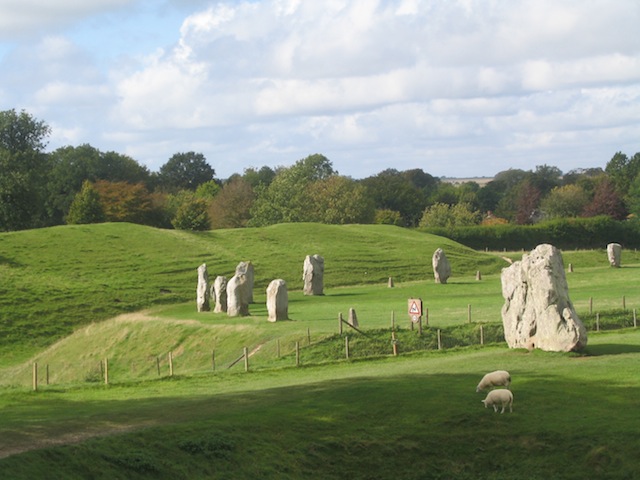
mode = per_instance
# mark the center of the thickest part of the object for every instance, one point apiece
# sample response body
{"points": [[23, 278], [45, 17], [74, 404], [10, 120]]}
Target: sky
{"points": [[457, 88]]}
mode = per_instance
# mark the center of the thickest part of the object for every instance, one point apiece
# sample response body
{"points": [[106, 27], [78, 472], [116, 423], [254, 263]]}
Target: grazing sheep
{"points": [[500, 397], [499, 378]]}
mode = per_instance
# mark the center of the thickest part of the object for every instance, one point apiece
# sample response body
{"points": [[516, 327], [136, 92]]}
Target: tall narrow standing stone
{"points": [[220, 294], [202, 291], [313, 275], [353, 318], [277, 300], [614, 252], [238, 296], [246, 268], [441, 266]]}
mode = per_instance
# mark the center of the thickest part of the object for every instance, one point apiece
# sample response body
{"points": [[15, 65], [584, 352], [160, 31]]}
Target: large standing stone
{"points": [[202, 290], [614, 252], [246, 268], [441, 266], [353, 318], [313, 275], [220, 294], [537, 312], [277, 300], [238, 296]]}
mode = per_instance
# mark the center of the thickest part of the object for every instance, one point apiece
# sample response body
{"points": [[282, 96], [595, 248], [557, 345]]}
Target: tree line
{"points": [[81, 184]]}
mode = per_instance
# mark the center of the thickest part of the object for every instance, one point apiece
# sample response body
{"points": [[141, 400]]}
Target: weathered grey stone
{"points": [[277, 300], [390, 282], [313, 275], [441, 266], [219, 288], [614, 253], [246, 268], [353, 318], [202, 290], [238, 296], [537, 312]]}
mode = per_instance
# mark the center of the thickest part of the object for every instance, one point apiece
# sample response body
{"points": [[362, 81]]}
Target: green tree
{"points": [[449, 216], [340, 200], [392, 190], [185, 171], [24, 169], [126, 202], [86, 206], [566, 201], [259, 178], [527, 203], [192, 215], [286, 199], [622, 170], [388, 217], [231, 208]]}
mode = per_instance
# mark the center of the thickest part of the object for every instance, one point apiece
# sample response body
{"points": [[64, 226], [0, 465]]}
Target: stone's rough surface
{"points": [[202, 291], [246, 268], [353, 318], [537, 312], [219, 290], [313, 275], [614, 252], [277, 300], [441, 267], [238, 296]]}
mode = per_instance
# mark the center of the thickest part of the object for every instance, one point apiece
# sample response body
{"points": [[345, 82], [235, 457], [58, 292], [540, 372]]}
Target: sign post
{"points": [[415, 309]]}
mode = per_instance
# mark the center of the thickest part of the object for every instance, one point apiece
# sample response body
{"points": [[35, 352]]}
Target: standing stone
{"points": [[220, 294], [441, 266], [238, 296], [537, 312], [313, 275], [202, 291], [246, 268], [390, 282], [353, 318], [614, 252], [277, 300]]}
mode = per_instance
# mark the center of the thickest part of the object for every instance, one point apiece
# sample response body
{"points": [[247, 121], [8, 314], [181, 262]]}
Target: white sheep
{"points": [[499, 378], [500, 397]]}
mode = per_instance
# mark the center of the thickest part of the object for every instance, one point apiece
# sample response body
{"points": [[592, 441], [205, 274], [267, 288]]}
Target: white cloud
{"points": [[378, 83]]}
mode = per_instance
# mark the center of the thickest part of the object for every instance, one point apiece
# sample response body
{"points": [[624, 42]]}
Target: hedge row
{"points": [[569, 233]]}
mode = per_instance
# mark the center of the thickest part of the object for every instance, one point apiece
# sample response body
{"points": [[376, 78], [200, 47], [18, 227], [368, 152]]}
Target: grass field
{"points": [[373, 416]]}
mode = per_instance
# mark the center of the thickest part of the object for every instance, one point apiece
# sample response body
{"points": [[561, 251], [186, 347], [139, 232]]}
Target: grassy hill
{"points": [[373, 416], [55, 279]]}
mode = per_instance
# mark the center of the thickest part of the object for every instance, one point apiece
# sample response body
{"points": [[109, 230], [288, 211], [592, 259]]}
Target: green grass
{"points": [[55, 279], [414, 416]]}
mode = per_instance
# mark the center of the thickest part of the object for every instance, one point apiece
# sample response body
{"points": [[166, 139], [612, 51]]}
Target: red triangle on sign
{"points": [[414, 308]]}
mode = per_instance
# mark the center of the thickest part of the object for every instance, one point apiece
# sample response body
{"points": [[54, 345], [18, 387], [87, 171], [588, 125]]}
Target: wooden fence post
{"points": [[420, 325], [297, 354], [394, 343], [340, 320], [598, 322], [393, 320], [439, 340], [35, 377], [245, 350], [106, 371], [590, 305], [158, 364], [170, 364], [481, 334], [47, 372]]}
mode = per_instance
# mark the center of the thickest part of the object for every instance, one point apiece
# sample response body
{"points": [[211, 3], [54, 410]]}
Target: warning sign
{"points": [[415, 308]]}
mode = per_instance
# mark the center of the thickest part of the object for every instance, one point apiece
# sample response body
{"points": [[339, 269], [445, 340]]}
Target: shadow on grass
{"points": [[611, 349]]}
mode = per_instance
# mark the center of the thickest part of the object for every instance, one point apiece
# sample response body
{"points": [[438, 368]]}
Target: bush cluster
{"points": [[567, 233]]}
